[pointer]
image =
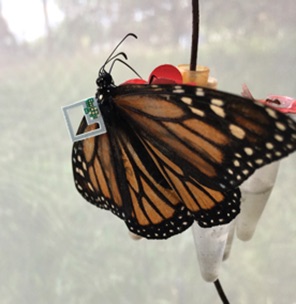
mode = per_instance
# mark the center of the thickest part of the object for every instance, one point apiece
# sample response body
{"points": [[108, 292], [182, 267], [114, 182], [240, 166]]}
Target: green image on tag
{"points": [[91, 109]]}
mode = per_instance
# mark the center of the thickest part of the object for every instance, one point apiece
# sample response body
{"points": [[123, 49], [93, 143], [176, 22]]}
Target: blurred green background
{"points": [[55, 247]]}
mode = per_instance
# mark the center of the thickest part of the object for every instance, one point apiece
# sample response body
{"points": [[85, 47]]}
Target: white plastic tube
{"points": [[210, 246], [229, 240], [255, 193]]}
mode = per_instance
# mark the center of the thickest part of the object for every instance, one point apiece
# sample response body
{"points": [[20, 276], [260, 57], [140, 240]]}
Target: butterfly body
{"points": [[173, 154]]}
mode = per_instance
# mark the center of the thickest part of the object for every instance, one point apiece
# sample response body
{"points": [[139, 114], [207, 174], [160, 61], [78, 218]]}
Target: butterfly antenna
{"points": [[117, 55], [126, 64], [122, 40]]}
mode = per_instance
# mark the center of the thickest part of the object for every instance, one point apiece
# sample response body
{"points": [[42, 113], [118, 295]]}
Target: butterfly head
{"points": [[105, 85]]}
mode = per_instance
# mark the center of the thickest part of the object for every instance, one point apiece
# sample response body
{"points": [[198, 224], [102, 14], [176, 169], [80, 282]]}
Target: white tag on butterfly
{"points": [[92, 114]]}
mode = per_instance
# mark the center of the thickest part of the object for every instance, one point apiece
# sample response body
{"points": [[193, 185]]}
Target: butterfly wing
{"points": [[115, 172], [218, 139], [172, 153], [209, 207]]}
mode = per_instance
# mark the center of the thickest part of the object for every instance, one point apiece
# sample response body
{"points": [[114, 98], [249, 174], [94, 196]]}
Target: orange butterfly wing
{"points": [[218, 138], [114, 172], [176, 153], [208, 206]]}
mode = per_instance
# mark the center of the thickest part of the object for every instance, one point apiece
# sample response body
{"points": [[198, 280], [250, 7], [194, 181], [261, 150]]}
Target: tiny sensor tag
{"points": [[92, 114]]}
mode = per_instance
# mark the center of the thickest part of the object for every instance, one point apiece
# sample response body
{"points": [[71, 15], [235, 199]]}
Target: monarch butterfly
{"points": [[173, 154]]}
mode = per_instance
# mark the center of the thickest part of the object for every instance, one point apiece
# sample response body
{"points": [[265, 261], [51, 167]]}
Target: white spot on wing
{"points": [[279, 137], [90, 186], [280, 126], [272, 113], [289, 146], [269, 146], [199, 92], [217, 110], [259, 161], [79, 171], [187, 100], [197, 111], [249, 151], [217, 102], [178, 91], [237, 131]]}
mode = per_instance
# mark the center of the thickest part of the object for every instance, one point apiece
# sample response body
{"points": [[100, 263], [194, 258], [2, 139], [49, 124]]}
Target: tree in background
{"points": [[7, 40]]}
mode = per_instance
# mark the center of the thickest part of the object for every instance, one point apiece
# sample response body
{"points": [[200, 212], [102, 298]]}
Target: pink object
{"points": [[284, 104]]}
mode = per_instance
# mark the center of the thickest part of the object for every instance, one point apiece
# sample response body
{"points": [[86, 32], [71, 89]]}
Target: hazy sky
{"points": [[27, 21]]}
